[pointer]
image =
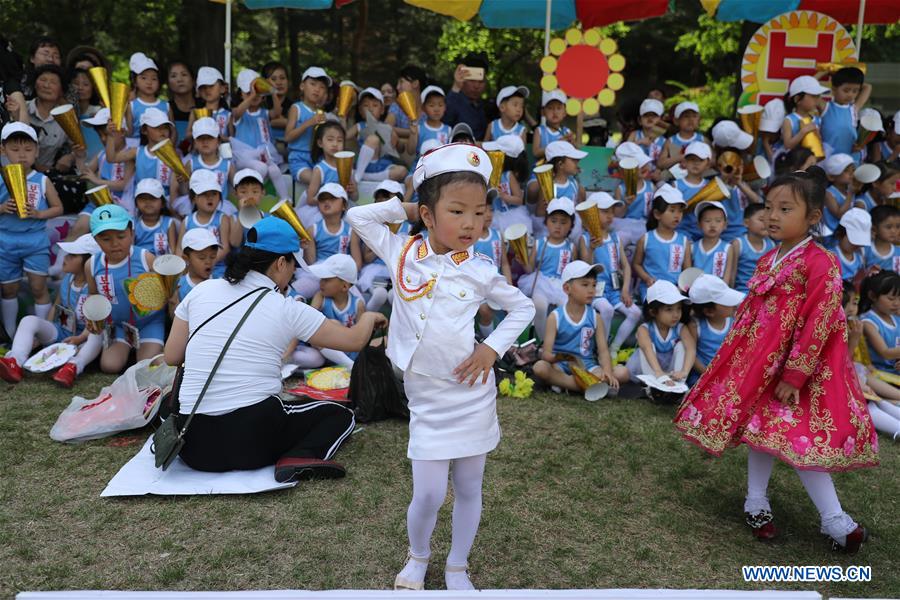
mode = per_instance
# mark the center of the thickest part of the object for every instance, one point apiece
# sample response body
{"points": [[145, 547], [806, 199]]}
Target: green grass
{"points": [[578, 495]]}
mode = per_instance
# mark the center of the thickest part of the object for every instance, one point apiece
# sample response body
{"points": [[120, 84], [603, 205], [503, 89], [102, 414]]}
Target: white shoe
{"points": [[457, 578], [412, 575]]}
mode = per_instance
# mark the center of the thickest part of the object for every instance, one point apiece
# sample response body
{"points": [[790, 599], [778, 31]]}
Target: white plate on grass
{"points": [[51, 357]]}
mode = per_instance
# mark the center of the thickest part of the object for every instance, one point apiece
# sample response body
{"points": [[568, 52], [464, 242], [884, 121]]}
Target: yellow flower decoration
{"points": [[146, 293], [586, 67], [520, 387]]}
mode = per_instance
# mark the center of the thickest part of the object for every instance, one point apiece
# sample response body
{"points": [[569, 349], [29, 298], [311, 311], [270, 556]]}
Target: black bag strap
{"points": [[224, 350], [251, 292]]}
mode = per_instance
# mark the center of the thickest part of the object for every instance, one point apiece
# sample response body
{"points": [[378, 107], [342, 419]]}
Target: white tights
{"points": [[541, 307], [429, 493], [818, 484], [632, 318], [885, 417], [32, 329]]}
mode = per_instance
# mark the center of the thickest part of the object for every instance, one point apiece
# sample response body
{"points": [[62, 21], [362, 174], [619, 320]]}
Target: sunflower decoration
{"points": [[586, 67], [146, 293]]}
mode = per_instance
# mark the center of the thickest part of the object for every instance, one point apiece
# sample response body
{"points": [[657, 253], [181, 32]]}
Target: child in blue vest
{"points": [[491, 245], [329, 140], [64, 323], [651, 134], [430, 125], [750, 247], [109, 272], [851, 238], [770, 145], [575, 330], [888, 149], [663, 252], [511, 102], [211, 94], [252, 142], [206, 156], [206, 196], [879, 304], [633, 222], [879, 192], [371, 163], [200, 249], [509, 201], [714, 304], [155, 127], [332, 235], [802, 102], [553, 109], [839, 197], [249, 189], [614, 280], [849, 94], [24, 243], [146, 85], [564, 157], [303, 117], [697, 159], [374, 275], [549, 256], [884, 252], [711, 254], [337, 299], [154, 230], [666, 347], [687, 119]]}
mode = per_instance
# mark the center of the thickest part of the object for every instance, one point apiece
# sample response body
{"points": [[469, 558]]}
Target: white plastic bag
{"points": [[129, 403]]}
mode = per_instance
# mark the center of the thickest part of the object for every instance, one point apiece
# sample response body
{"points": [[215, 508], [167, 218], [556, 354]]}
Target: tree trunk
{"points": [[201, 26], [359, 38]]}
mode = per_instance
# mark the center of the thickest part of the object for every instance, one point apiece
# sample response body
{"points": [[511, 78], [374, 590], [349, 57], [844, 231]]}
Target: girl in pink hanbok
{"points": [[783, 381]]}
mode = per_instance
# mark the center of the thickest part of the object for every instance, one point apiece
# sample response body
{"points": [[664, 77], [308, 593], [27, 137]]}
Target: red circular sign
{"points": [[582, 71]]}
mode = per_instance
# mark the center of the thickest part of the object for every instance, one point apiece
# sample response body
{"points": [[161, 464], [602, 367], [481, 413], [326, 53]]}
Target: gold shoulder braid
{"points": [[409, 294]]}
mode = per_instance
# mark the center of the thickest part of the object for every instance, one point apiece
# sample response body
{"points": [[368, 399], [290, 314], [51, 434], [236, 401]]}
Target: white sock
{"points": [[458, 580], [379, 297], [32, 329], [759, 470], [883, 421], [88, 352], [42, 310], [632, 320], [278, 182], [366, 154], [337, 357], [55, 269], [10, 309], [486, 330], [820, 487]]}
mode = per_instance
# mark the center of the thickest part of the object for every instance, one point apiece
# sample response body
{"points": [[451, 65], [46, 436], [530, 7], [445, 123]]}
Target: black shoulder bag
{"points": [[167, 439]]}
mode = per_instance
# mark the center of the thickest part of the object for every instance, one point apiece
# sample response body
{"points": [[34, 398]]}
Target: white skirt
{"points": [[449, 420], [549, 288]]}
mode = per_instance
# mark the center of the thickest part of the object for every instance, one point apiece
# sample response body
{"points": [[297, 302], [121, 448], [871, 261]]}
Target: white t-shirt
{"points": [[251, 369]]}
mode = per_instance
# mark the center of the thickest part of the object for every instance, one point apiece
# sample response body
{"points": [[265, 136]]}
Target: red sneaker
{"points": [[65, 375], [10, 371]]}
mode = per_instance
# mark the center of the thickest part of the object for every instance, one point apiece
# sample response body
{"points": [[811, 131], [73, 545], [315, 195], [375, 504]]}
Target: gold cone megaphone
{"points": [[344, 160], [590, 218], [346, 96], [249, 216], [729, 162], [284, 210], [395, 226], [714, 191], [100, 195], [516, 236], [544, 175], [14, 177], [100, 79], [751, 117], [118, 98], [497, 158], [165, 152], [630, 174], [758, 168], [407, 101], [68, 121], [199, 113], [812, 140], [869, 125], [833, 67], [262, 86], [169, 268]]}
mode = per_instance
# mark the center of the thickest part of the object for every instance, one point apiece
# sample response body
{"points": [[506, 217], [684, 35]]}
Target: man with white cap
{"points": [[687, 119], [146, 88], [575, 334], [851, 238], [714, 304], [651, 136], [252, 144], [839, 196]]}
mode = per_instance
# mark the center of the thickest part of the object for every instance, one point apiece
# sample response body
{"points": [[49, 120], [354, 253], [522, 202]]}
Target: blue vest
{"points": [[147, 166], [549, 136], [689, 223], [578, 339], [36, 196], [709, 340], [138, 107], [71, 298], [110, 172], [839, 127], [569, 189], [498, 131], [794, 118], [222, 116], [609, 255], [643, 200], [832, 220], [734, 214], [660, 344], [747, 261], [713, 262], [154, 240], [654, 149], [849, 268], [346, 316], [329, 173], [889, 332], [220, 169], [185, 285], [402, 121], [891, 262], [328, 243], [554, 258], [663, 259], [427, 132], [677, 141], [491, 246], [215, 226], [253, 128], [110, 281], [303, 144], [501, 205]]}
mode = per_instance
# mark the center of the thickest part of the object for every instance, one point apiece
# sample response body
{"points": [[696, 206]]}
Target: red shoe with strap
{"points": [[10, 371], [763, 524], [65, 375], [853, 542]]}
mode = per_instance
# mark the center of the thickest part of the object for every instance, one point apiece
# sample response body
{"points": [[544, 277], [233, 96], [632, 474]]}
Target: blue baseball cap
{"points": [[274, 234], [110, 216]]}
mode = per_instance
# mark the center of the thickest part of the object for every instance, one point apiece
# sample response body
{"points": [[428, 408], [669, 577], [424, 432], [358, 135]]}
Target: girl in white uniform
{"points": [[440, 282]]}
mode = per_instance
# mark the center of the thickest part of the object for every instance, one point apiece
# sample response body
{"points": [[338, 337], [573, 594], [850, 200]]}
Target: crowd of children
{"points": [[690, 230]]}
